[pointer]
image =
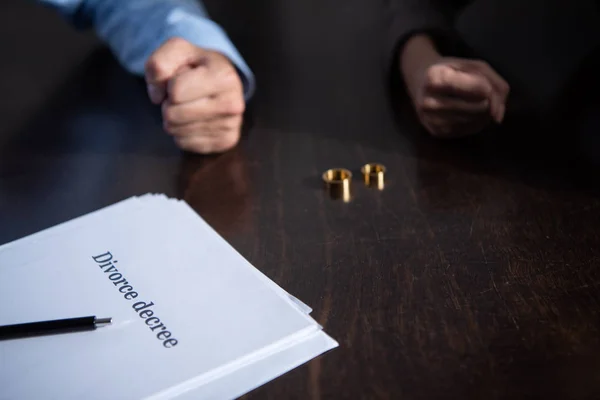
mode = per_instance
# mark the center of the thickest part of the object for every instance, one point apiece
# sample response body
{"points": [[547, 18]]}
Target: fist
{"points": [[459, 97], [201, 95]]}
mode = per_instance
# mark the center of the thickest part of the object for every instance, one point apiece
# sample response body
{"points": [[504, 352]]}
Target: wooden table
{"points": [[474, 274]]}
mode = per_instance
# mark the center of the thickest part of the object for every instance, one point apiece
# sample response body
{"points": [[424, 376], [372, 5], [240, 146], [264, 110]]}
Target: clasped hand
{"points": [[458, 97], [201, 95]]}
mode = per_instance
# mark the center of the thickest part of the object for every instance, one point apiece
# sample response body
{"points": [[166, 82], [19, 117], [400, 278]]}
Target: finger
{"points": [[455, 105], [202, 82], [208, 145], [211, 128], [203, 109], [168, 60], [445, 80], [496, 105], [156, 92], [494, 77], [499, 84], [501, 113], [173, 55], [194, 111]]}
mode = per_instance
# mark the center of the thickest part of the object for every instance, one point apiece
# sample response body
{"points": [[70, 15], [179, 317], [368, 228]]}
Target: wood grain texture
{"points": [[474, 274]]}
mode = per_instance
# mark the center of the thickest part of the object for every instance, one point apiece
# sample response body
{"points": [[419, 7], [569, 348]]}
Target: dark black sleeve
{"points": [[406, 18]]}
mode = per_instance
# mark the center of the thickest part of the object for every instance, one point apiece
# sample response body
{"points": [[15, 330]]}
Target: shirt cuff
{"points": [[201, 32]]}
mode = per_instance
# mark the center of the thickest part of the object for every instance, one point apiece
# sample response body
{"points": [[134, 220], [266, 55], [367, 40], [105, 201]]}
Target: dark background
{"points": [[472, 275]]}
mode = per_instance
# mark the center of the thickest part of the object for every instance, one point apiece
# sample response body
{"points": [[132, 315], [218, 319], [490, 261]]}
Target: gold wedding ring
{"points": [[337, 182], [374, 175]]}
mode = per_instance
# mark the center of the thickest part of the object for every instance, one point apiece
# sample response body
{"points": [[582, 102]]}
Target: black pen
{"points": [[52, 327]]}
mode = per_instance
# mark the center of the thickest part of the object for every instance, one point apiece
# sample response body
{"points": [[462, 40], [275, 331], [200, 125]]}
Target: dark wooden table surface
{"points": [[474, 274]]}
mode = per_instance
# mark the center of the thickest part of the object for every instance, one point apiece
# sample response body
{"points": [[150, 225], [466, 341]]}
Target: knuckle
{"points": [[188, 145], [170, 114], [430, 104], [233, 106], [156, 67], [177, 90], [193, 146], [437, 76], [432, 76], [485, 85], [230, 77], [174, 130], [170, 129], [233, 124], [482, 64], [214, 145], [227, 142], [163, 62], [198, 147]]}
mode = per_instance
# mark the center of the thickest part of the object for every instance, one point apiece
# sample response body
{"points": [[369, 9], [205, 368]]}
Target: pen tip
{"points": [[103, 321]]}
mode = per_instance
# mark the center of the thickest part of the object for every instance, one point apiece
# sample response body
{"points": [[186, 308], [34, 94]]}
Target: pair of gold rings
{"points": [[338, 180]]}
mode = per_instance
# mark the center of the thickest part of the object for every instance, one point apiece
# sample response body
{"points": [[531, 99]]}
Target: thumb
{"points": [[173, 57]]}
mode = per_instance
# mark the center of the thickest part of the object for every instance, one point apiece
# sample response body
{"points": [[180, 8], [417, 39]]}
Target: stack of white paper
{"points": [[192, 318]]}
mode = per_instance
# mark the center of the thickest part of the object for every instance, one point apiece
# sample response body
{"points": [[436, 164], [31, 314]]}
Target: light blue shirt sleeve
{"points": [[134, 29]]}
